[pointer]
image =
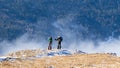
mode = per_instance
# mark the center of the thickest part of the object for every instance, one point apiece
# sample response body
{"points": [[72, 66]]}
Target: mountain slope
{"points": [[68, 61], [88, 19]]}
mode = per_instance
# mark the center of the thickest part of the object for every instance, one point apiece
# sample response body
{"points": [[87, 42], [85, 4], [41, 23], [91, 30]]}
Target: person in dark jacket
{"points": [[59, 39], [50, 43]]}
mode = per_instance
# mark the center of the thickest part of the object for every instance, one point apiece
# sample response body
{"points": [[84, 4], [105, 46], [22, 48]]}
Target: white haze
{"points": [[88, 46], [21, 43], [70, 41]]}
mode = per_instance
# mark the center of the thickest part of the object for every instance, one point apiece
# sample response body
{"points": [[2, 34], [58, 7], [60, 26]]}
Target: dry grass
{"points": [[73, 61], [26, 53]]}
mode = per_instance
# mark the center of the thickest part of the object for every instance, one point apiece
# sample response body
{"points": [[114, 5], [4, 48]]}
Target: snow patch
{"points": [[58, 53], [6, 58]]}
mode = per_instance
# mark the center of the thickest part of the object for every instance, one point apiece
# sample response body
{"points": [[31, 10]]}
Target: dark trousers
{"points": [[50, 46], [59, 45]]}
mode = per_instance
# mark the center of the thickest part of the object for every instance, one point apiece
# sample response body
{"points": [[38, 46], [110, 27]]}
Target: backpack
{"points": [[61, 38], [50, 38]]}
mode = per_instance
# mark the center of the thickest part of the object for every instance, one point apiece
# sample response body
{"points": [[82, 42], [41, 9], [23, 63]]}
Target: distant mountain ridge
{"points": [[94, 19]]}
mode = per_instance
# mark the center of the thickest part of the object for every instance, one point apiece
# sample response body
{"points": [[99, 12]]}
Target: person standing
{"points": [[59, 39], [50, 43]]}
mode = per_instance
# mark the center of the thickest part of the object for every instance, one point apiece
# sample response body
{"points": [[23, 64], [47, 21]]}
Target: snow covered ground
{"points": [[6, 58], [2, 58], [55, 53], [51, 53]]}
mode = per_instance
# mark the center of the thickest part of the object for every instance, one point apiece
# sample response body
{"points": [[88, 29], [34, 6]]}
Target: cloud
{"points": [[67, 28], [89, 46], [22, 43], [72, 41]]}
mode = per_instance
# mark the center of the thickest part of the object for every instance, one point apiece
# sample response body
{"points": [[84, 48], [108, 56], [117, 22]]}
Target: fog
{"points": [[88, 46], [70, 40]]}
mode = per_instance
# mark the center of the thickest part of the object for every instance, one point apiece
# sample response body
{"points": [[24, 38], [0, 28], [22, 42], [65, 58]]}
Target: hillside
{"points": [[41, 18], [68, 61], [75, 21], [88, 25]]}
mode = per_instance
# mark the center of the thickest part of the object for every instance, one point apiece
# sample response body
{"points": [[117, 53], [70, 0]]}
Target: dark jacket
{"points": [[59, 39]]}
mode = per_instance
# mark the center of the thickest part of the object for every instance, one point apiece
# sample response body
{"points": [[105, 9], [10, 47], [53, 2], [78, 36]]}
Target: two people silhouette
{"points": [[59, 39]]}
